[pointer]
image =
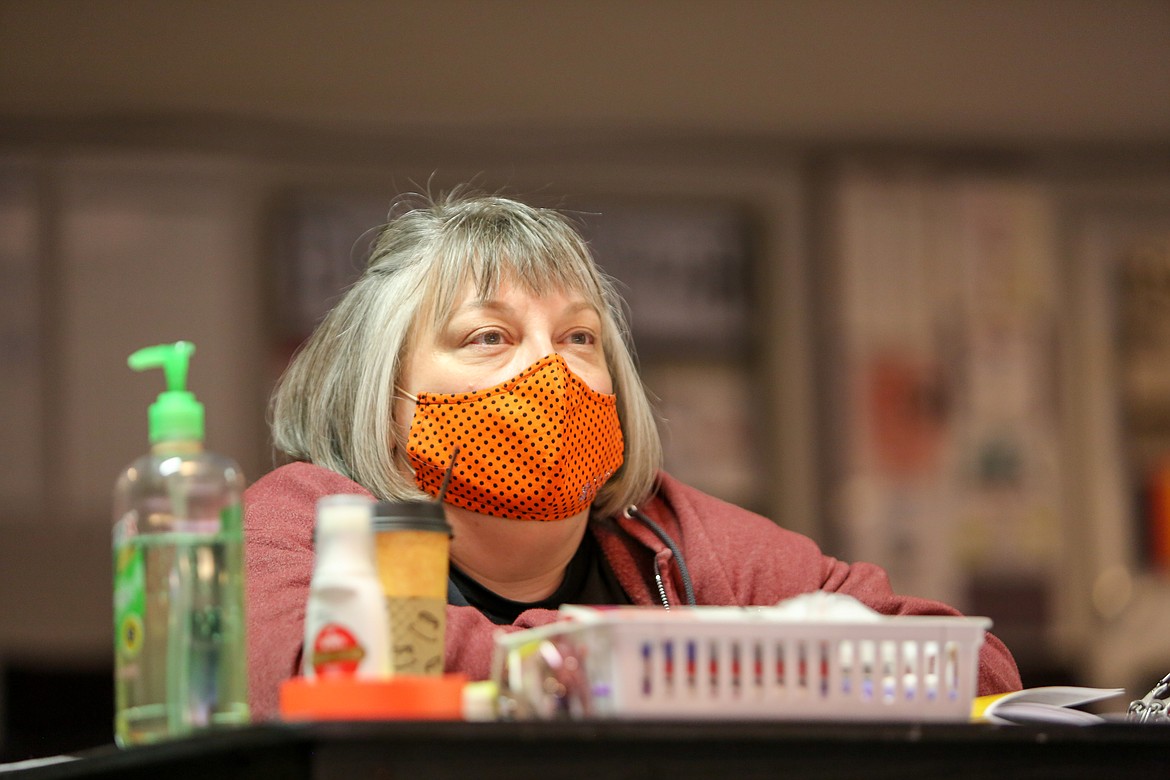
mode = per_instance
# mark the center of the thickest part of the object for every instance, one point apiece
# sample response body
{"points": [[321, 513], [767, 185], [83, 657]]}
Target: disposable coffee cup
{"points": [[412, 547]]}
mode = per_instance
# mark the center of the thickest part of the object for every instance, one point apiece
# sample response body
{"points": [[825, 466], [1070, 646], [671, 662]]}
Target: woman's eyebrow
{"points": [[497, 305], [483, 304], [503, 309], [581, 305]]}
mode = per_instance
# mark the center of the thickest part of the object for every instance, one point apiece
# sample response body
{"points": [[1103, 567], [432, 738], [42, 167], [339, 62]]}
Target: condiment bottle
{"points": [[346, 632]]}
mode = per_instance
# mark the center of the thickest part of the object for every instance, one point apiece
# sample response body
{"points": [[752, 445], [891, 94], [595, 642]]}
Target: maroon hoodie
{"points": [[735, 558]]}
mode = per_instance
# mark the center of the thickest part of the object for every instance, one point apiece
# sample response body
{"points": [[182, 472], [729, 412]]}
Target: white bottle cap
{"points": [[344, 512]]}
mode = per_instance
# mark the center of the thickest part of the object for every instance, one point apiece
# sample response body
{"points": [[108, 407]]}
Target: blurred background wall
{"points": [[924, 248]]}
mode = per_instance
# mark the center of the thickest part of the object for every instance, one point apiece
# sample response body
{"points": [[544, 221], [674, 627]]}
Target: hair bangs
{"points": [[540, 262]]}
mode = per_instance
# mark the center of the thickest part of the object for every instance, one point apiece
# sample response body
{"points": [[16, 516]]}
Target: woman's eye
{"points": [[488, 338], [581, 338]]}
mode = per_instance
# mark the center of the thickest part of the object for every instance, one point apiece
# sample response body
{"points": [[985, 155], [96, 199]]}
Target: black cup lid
{"points": [[410, 516]]}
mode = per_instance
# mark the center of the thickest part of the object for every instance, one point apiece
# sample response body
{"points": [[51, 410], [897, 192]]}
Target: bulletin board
{"points": [[948, 295]]}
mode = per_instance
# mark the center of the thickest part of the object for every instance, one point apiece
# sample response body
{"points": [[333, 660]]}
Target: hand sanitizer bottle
{"points": [[179, 645]]}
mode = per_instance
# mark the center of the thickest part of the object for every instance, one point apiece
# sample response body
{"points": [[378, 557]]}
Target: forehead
{"points": [[505, 288], [510, 297]]}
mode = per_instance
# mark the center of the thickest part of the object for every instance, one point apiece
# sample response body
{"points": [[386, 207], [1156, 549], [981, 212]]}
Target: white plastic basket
{"points": [[716, 662]]}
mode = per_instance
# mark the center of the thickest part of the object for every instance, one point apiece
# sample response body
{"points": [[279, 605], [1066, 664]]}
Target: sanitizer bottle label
{"points": [[129, 602]]}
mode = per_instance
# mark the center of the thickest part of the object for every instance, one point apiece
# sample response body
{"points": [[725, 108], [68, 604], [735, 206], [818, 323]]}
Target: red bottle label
{"points": [[336, 652]]}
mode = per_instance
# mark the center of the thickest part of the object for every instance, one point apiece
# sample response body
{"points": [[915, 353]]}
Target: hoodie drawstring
{"points": [[688, 589]]}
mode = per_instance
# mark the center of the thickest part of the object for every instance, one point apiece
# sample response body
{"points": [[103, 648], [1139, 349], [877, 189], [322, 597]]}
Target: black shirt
{"points": [[588, 580]]}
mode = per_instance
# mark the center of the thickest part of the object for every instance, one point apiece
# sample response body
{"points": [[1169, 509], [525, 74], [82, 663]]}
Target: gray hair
{"points": [[334, 405]]}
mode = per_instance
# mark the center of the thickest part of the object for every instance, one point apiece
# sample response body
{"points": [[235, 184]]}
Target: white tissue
{"points": [[824, 606]]}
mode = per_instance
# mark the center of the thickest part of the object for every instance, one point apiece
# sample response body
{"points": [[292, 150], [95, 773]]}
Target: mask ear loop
{"points": [[447, 476]]}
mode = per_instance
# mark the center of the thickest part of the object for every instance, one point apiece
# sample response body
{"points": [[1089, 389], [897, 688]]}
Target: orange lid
{"points": [[402, 697]]}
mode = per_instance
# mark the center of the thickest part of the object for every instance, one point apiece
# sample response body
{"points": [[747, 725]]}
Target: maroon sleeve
{"points": [[279, 514], [471, 638]]}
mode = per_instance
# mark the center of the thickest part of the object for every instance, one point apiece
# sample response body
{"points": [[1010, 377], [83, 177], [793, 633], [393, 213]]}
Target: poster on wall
{"points": [[947, 317], [1143, 350], [1120, 244]]}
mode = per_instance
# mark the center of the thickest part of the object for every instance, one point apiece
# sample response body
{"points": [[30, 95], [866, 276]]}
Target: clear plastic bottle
{"points": [[179, 636]]}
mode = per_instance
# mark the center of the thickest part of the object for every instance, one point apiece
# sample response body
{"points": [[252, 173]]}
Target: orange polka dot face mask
{"points": [[537, 447]]}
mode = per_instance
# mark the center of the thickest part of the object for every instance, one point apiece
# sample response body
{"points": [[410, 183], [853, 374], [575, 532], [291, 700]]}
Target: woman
{"points": [[482, 332]]}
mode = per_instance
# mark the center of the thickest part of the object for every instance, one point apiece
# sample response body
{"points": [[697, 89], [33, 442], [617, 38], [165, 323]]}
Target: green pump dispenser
{"points": [[177, 415]]}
